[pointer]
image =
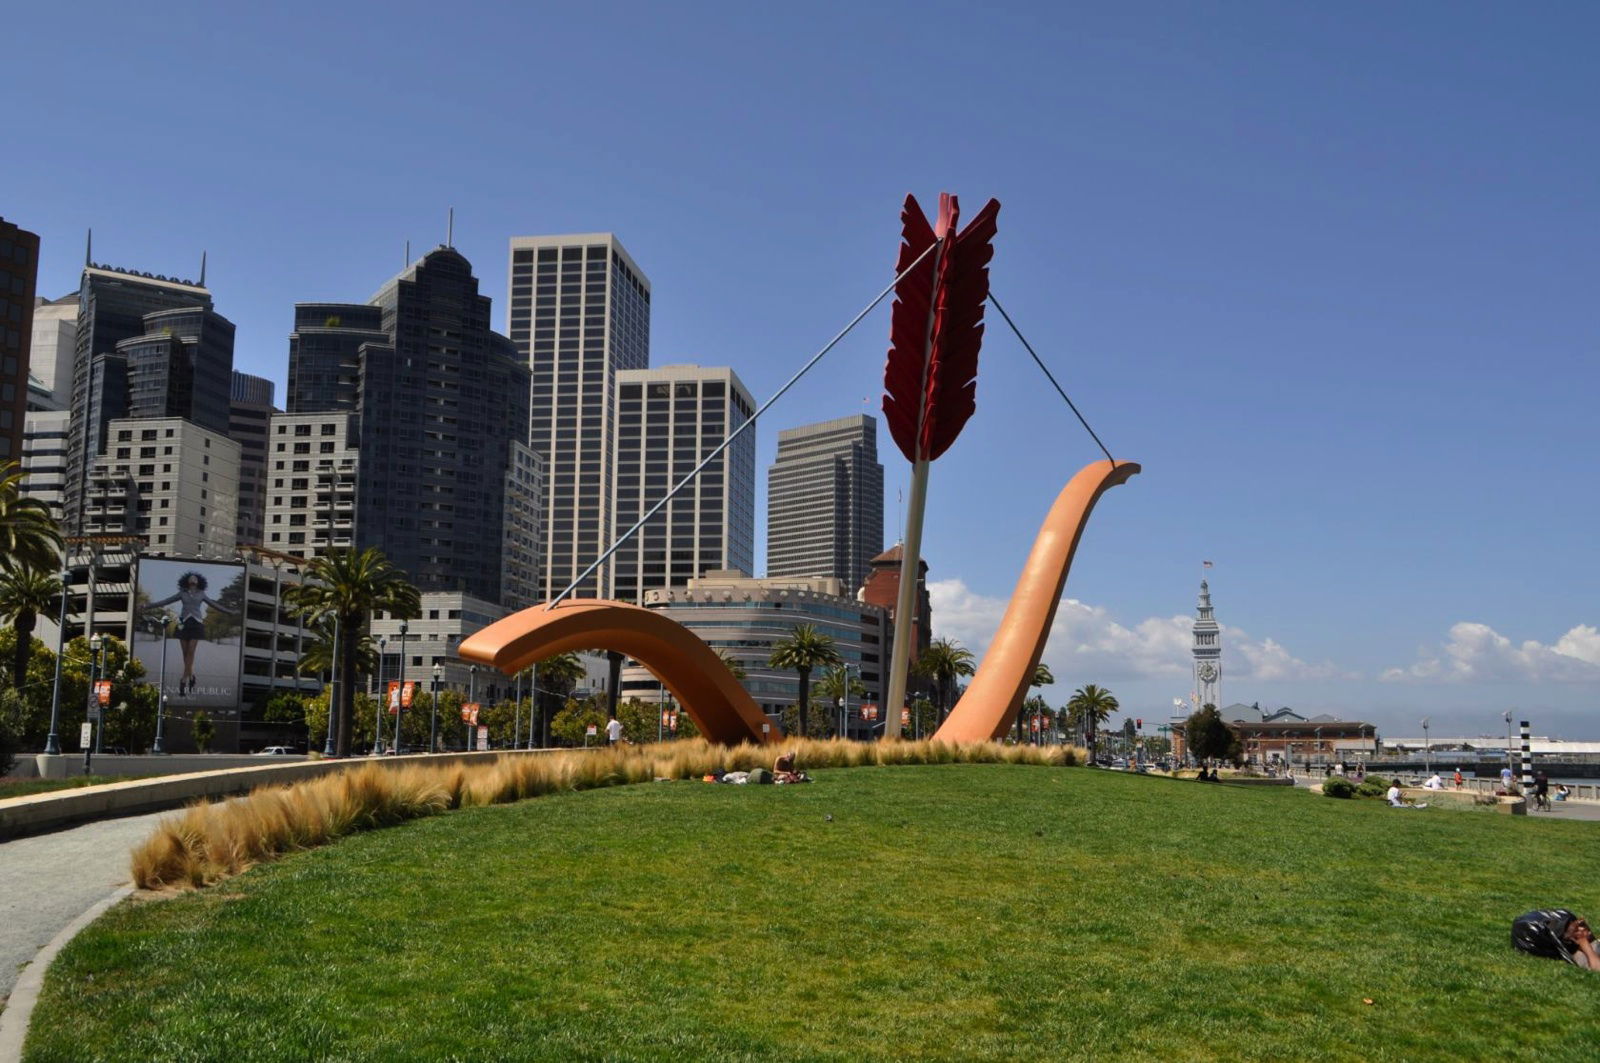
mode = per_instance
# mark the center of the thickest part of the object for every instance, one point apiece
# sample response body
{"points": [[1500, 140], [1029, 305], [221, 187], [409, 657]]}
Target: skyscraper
{"points": [[112, 305], [825, 501], [250, 411], [668, 419], [445, 480], [579, 314], [55, 324], [19, 271]]}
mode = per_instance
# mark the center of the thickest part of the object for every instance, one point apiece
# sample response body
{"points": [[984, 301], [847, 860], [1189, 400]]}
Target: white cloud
{"points": [[1086, 641], [1478, 653]]}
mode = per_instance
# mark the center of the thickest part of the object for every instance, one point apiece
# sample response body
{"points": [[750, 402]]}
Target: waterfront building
{"points": [[1206, 652], [579, 314], [1282, 735], [882, 589], [668, 420], [743, 617], [19, 274], [825, 501]]}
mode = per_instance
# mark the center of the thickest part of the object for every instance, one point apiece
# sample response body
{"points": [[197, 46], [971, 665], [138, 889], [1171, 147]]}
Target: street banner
{"points": [[393, 699], [905, 717], [102, 692], [407, 692]]}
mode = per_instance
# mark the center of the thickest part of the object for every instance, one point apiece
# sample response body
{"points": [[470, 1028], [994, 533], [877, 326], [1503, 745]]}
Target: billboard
{"points": [[188, 625]]}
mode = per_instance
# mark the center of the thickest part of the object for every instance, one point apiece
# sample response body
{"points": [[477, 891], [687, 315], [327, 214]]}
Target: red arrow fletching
{"points": [[930, 389]]}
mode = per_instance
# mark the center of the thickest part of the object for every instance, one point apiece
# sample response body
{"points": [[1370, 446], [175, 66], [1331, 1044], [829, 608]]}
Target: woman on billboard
{"points": [[192, 602]]}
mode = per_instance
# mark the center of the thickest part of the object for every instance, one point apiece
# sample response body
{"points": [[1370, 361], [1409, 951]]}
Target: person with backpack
{"points": [[1556, 933]]}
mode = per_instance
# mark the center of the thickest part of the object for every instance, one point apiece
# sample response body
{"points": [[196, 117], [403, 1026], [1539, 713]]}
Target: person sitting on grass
{"points": [[783, 769], [1581, 939], [1396, 799]]}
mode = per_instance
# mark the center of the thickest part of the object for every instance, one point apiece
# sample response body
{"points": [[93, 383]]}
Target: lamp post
{"points": [[472, 696], [1427, 748], [383, 697], [161, 699], [533, 704], [661, 711], [333, 686], [844, 704], [52, 744], [1319, 742], [1509, 763], [97, 671], [433, 726], [400, 706], [516, 715]]}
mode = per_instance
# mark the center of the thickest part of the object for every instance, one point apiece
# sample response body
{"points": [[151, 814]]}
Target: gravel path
{"points": [[48, 881]]}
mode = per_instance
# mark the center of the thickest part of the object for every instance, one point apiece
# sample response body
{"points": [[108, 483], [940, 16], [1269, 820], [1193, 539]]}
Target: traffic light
{"points": [[1139, 723]]}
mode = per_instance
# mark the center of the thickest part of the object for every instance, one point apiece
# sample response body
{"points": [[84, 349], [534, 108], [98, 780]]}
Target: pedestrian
{"points": [[1505, 779], [1458, 778], [1541, 791], [614, 730]]}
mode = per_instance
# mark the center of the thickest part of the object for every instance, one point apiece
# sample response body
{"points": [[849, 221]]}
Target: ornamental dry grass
{"points": [[208, 842]]}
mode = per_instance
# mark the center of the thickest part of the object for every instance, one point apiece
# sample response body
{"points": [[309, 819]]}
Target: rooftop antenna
{"points": [[408, 255], [450, 229], [88, 249], [202, 269]]}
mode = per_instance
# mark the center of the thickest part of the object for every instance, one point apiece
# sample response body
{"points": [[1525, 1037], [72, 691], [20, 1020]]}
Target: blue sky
{"points": [[1326, 271]]}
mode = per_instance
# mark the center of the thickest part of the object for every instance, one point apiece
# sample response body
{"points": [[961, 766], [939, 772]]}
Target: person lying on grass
{"points": [[1581, 938]]}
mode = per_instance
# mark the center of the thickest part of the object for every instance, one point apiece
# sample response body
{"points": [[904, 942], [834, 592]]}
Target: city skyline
{"points": [[1325, 277]]}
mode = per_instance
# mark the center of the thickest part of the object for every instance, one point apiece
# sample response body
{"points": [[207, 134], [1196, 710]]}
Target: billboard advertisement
{"points": [[188, 630]]}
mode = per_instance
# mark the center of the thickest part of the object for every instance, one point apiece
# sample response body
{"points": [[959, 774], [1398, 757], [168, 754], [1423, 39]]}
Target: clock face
{"points": [[1208, 672]]}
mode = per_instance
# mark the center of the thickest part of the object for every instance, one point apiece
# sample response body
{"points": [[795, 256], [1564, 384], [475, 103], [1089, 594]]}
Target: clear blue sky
{"points": [[1327, 271]]}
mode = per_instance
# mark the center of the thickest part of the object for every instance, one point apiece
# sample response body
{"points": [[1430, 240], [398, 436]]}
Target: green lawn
{"points": [[967, 911], [24, 787]]}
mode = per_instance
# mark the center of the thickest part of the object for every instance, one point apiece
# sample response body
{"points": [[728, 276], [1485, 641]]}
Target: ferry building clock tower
{"points": [[1207, 651]]}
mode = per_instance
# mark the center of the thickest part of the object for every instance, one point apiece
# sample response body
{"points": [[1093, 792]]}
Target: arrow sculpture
{"points": [[930, 380]]}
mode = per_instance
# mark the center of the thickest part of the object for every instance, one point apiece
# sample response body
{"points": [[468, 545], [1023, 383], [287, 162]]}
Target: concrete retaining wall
{"points": [[69, 764], [39, 813]]}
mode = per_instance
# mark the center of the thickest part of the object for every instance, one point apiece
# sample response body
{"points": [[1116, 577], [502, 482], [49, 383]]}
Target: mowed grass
{"points": [[11, 787], [952, 911]]}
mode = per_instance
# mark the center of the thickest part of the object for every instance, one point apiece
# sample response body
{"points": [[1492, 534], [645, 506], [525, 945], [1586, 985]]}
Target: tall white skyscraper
{"points": [[580, 314], [668, 420], [825, 501]]}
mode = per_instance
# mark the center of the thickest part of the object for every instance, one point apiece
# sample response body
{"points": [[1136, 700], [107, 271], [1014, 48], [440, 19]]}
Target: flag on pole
{"points": [[1205, 564]]}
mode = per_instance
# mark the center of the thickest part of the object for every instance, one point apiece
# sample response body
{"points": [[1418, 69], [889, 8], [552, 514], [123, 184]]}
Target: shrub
{"points": [[1338, 786]]}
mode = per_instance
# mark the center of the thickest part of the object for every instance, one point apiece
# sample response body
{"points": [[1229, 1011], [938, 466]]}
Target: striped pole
{"points": [[1527, 761]]}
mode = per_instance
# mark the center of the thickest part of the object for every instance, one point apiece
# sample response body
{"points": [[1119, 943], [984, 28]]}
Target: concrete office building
{"points": [[668, 419], [55, 327], [250, 413], [445, 619], [579, 315], [19, 274], [44, 457], [441, 408], [113, 306], [169, 481], [743, 617], [313, 459], [825, 501]]}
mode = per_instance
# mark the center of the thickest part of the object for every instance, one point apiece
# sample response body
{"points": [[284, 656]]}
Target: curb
{"points": [[25, 994]]}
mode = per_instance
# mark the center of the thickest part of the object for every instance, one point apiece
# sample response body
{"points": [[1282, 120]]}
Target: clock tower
{"points": [[1207, 651]]}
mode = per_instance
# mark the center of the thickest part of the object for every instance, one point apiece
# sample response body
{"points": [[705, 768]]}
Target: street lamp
{"points": [[1509, 762], [161, 687], [400, 705], [516, 715], [433, 725], [383, 697], [1427, 748], [333, 679], [52, 744], [472, 697]]}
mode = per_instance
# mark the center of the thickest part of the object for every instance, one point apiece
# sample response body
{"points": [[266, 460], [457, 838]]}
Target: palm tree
{"points": [[943, 661], [835, 683], [732, 664], [1042, 677], [560, 674], [1091, 705], [317, 655], [25, 592], [29, 537], [347, 586], [802, 650]]}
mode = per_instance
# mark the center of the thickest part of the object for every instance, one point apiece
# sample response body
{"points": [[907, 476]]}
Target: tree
{"points": [[1209, 737], [733, 664], [832, 688], [348, 586], [943, 661], [1090, 705], [802, 650], [25, 592], [29, 537], [556, 677], [1042, 677], [202, 729]]}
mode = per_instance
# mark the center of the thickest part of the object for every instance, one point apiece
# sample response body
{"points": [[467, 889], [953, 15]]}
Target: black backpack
{"points": [[1540, 933]]}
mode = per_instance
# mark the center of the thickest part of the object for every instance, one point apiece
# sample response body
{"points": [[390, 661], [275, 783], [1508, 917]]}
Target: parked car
{"points": [[276, 751]]}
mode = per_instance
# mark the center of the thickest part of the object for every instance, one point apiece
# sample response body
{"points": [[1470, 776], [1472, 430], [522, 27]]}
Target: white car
{"points": [[276, 751]]}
